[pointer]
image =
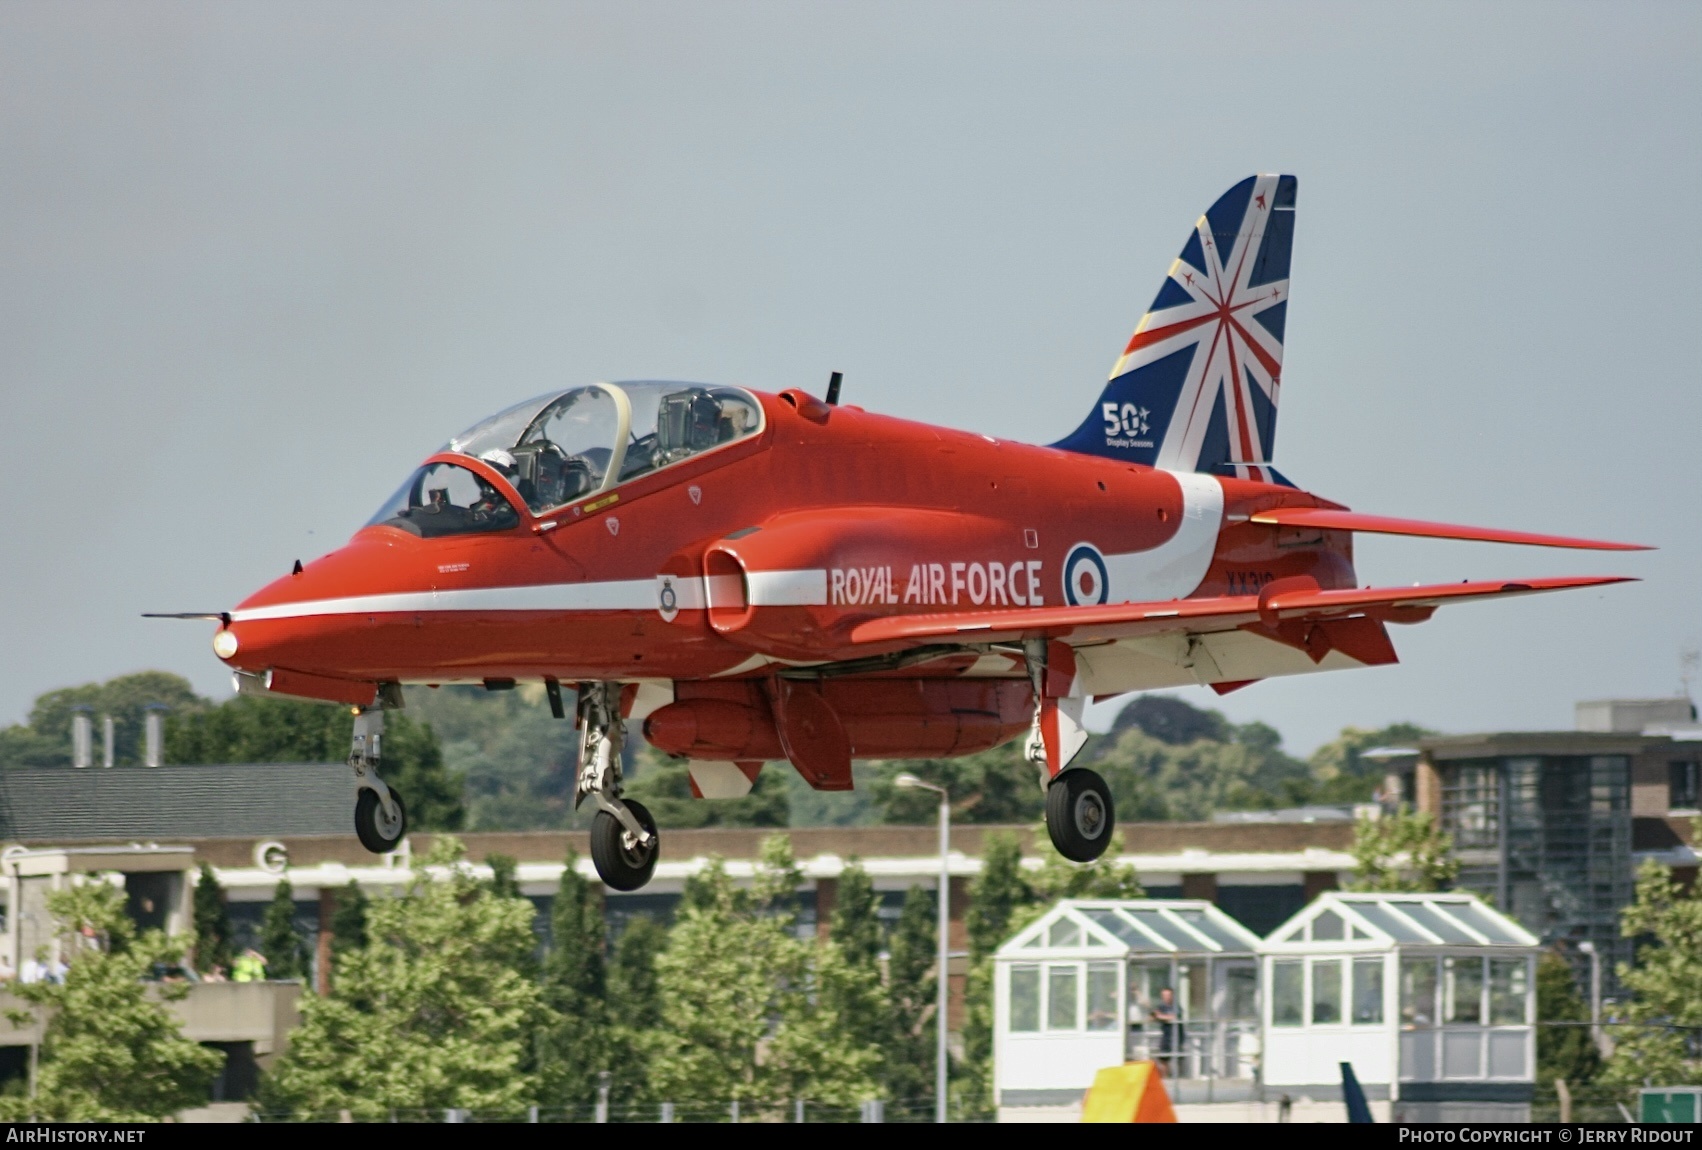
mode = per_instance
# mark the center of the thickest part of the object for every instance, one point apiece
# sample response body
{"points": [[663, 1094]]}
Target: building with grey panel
{"points": [[1550, 826], [61, 805]]}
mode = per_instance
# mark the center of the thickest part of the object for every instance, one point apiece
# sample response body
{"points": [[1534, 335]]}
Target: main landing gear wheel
{"points": [[378, 834], [621, 860], [1079, 814]]}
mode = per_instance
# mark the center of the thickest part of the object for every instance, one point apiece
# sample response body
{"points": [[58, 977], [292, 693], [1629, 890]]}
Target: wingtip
{"points": [[1568, 582], [1342, 519], [1611, 545]]}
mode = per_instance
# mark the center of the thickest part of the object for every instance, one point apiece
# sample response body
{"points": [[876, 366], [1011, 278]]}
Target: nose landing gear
{"points": [[624, 842], [380, 817], [380, 831]]}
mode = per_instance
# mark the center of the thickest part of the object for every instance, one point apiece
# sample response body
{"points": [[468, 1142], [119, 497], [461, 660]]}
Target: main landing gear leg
{"points": [[1079, 812], [380, 818], [624, 842]]}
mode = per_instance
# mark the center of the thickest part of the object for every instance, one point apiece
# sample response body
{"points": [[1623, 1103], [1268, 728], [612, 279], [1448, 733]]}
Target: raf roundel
{"points": [[1086, 583], [667, 598]]}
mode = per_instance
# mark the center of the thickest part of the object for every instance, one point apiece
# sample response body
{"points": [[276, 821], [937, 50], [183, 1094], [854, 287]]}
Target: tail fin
{"points": [[1196, 389]]}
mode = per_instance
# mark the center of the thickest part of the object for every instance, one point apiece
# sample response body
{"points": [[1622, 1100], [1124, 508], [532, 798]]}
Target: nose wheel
{"points": [[380, 818], [379, 831], [624, 842], [624, 861], [1079, 814]]}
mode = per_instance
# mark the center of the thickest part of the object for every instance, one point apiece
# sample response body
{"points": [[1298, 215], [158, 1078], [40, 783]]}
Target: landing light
{"points": [[224, 643]]}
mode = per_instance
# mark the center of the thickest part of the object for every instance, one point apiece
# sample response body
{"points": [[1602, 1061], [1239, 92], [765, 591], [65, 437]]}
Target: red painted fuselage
{"points": [[870, 515]]}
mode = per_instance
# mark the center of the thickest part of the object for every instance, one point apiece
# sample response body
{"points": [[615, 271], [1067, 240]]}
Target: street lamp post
{"points": [[942, 982], [1589, 948]]}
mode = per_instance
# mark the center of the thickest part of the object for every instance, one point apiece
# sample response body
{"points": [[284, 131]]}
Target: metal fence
{"points": [[1202, 1049], [873, 1110]]}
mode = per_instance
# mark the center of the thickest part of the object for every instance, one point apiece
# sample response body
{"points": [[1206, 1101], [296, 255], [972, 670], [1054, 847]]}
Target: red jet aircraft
{"points": [[751, 577]]}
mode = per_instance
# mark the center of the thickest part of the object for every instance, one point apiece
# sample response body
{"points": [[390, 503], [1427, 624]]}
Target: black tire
{"points": [[621, 867], [375, 834], [1079, 814]]}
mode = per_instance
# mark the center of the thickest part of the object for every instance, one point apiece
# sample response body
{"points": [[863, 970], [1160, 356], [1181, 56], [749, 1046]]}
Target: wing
{"points": [[1283, 608], [1328, 519]]}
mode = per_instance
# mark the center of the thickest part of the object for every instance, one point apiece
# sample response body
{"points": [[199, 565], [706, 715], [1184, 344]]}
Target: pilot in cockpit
{"points": [[502, 462], [734, 422], [555, 450]]}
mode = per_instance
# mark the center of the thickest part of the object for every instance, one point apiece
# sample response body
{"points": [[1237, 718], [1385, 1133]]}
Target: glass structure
{"points": [[1548, 838]]}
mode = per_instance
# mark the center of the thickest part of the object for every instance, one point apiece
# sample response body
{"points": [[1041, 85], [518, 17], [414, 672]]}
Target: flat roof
{"points": [[1493, 744]]}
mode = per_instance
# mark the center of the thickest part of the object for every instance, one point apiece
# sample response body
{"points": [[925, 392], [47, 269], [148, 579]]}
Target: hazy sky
{"points": [[257, 260]]}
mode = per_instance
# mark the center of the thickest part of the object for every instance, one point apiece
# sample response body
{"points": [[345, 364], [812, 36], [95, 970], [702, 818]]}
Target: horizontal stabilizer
{"points": [[1326, 519], [1274, 607]]}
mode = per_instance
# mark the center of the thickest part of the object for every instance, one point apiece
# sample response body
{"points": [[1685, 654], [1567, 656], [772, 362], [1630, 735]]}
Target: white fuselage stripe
{"points": [[1173, 569], [788, 588], [625, 595], [767, 589]]}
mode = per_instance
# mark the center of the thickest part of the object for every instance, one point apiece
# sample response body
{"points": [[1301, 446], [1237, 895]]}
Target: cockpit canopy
{"points": [[568, 445]]}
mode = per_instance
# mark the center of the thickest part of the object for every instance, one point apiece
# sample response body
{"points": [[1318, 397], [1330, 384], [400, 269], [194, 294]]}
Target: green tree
{"points": [[996, 898], [908, 1073], [44, 740], [1341, 773], [517, 759], [437, 1011], [633, 1009], [717, 986], [574, 1047], [112, 1051], [827, 1047], [1058, 878], [1153, 779], [997, 894], [664, 787], [855, 922], [754, 1014], [634, 1002], [996, 786], [286, 957], [1003, 900], [250, 730], [1164, 760], [1405, 851], [855, 929], [505, 871], [212, 923], [1668, 920], [823, 1050], [1172, 720], [348, 920], [1563, 1051], [858, 807]]}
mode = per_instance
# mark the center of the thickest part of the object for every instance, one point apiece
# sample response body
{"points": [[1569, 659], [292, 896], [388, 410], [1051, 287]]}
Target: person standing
{"points": [[250, 966], [1168, 1018]]}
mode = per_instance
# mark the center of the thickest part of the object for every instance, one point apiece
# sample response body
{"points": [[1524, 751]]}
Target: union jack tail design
{"points": [[1196, 389]]}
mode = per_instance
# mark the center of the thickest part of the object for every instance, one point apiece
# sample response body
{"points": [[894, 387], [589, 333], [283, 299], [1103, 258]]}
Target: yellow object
{"points": [[1132, 1092]]}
